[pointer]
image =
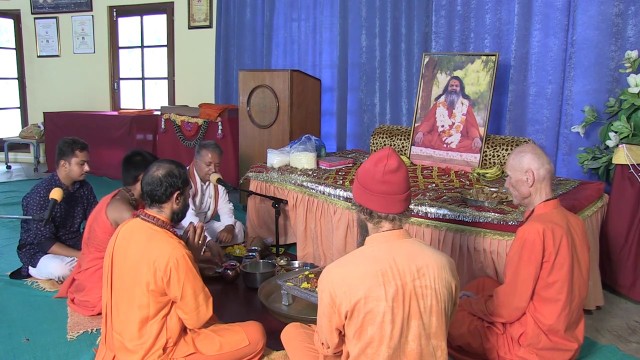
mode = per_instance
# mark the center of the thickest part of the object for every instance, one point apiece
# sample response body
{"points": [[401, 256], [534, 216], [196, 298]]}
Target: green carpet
{"points": [[33, 324]]}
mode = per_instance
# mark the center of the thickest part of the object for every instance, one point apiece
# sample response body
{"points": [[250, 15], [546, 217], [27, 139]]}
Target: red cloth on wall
{"points": [[110, 137], [620, 237]]}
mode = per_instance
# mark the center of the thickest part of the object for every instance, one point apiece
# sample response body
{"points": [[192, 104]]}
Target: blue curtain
{"points": [[555, 57]]}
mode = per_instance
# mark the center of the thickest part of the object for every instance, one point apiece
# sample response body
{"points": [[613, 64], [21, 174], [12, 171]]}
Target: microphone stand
{"points": [[276, 204], [21, 217], [16, 217]]}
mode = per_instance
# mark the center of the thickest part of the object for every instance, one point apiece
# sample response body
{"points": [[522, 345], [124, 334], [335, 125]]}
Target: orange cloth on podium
{"points": [[392, 298], [537, 312], [83, 288], [155, 304]]}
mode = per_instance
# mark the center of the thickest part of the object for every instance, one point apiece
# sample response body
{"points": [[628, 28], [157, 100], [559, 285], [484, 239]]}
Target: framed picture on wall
{"points": [[82, 32], [47, 36], [452, 109], [60, 6], [200, 14]]}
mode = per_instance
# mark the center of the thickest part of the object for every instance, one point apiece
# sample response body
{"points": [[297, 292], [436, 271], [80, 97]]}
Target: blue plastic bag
{"points": [[321, 149]]}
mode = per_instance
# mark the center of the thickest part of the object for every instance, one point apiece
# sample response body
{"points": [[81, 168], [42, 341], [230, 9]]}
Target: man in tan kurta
{"points": [[154, 303], [537, 312], [393, 297]]}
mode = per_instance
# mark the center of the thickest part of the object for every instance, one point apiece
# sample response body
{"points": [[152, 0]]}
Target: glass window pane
{"points": [[155, 29], [130, 63], [156, 93], [9, 95], [8, 63], [7, 33], [131, 94], [10, 123], [155, 62], [129, 31]]}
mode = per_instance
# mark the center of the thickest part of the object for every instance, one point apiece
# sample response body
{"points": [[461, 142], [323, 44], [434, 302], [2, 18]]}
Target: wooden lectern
{"points": [[276, 107]]}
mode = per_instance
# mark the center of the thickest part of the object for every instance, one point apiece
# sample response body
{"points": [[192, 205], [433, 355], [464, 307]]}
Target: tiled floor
{"points": [[22, 171], [617, 322]]}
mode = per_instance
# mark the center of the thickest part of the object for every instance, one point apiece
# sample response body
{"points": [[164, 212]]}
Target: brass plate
{"points": [[300, 310]]}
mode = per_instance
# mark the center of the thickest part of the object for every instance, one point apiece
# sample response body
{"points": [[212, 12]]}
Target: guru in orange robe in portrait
{"points": [[449, 129], [155, 305], [83, 288], [537, 312]]}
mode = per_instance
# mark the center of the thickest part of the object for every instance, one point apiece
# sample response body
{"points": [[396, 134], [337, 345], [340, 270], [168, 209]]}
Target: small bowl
{"points": [[297, 265], [230, 271], [282, 260], [254, 273]]}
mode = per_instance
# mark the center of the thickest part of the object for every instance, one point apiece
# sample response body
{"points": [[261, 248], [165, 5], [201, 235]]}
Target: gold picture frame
{"points": [[453, 103], [47, 31], [200, 14]]}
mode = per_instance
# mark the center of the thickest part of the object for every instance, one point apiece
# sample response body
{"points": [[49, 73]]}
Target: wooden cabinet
{"points": [[276, 106]]}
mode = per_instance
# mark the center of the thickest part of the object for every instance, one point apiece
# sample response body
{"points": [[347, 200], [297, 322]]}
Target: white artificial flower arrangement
{"points": [[622, 125]]}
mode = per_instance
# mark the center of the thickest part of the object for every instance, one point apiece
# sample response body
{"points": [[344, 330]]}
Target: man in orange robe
{"points": [[450, 124], [393, 297], [154, 304], [83, 288], [537, 312]]}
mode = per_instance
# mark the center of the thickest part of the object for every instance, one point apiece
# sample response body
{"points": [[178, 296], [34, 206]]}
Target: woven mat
{"points": [[44, 285], [78, 324], [274, 355]]}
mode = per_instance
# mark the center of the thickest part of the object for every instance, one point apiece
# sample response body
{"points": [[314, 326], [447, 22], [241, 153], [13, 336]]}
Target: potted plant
{"points": [[621, 126]]}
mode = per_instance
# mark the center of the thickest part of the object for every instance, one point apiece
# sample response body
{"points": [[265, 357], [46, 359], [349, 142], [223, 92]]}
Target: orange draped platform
{"points": [[324, 227]]}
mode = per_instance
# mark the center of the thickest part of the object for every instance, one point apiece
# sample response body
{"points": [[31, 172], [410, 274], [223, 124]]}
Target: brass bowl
{"points": [[254, 273]]}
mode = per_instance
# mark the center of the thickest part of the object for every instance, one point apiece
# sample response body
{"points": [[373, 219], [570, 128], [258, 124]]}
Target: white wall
{"points": [[81, 81]]}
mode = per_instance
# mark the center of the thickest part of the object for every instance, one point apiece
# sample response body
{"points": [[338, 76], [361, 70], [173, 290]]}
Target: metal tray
{"points": [[486, 196], [292, 281]]}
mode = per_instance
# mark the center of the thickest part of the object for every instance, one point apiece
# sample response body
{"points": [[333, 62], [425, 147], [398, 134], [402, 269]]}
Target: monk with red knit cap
{"points": [[391, 298]]}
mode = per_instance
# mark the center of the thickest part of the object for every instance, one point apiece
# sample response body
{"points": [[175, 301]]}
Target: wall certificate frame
{"points": [[82, 32], [200, 14], [47, 36]]}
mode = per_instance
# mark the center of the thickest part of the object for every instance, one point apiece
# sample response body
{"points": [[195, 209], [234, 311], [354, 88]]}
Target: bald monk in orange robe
{"points": [[155, 305], [392, 297], [537, 312], [83, 288]]}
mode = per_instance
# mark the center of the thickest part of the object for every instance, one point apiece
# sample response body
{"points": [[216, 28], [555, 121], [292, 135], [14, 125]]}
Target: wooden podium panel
{"points": [[276, 107]]}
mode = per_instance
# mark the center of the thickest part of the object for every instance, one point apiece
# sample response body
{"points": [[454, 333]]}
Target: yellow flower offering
{"points": [[236, 250]]}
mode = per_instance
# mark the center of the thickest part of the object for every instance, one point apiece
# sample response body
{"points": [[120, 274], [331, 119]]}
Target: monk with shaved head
{"points": [[536, 313]]}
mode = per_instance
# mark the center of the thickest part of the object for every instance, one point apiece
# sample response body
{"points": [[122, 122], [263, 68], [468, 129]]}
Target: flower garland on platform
{"points": [[187, 127]]}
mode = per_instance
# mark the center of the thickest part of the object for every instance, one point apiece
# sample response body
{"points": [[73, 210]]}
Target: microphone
{"points": [[217, 179], [55, 196]]}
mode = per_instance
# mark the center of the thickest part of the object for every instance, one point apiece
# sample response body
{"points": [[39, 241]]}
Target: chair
{"points": [[34, 143]]}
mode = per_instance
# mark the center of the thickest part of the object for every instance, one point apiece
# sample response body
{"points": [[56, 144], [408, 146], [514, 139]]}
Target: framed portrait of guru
{"points": [[453, 103]]}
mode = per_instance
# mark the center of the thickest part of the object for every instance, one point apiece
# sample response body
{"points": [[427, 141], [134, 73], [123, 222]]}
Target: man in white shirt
{"points": [[207, 199]]}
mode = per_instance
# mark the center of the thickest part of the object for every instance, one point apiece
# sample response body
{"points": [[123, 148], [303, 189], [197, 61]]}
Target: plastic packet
{"points": [[303, 153], [277, 157]]}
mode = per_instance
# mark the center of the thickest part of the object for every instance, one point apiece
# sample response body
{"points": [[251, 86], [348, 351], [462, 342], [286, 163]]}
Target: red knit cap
{"points": [[382, 183]]}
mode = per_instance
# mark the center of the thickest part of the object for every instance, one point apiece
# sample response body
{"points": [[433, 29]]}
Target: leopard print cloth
{"points": [[496, 147]]}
